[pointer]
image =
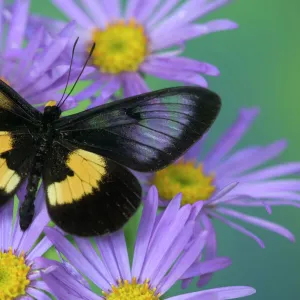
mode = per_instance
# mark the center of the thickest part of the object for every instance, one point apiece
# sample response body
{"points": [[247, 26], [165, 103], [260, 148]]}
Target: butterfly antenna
{"points": [[85, 64], [73, 51]]}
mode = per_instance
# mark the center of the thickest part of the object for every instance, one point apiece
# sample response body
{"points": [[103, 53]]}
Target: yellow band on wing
{"points": [[89, 169]]}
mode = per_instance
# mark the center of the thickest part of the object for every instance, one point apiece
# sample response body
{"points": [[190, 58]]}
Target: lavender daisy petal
{"points": [[231, 137], [17, 26], [169, 74], [96, 11], [168, 249], [259, 222], [75, 257], [6, 219], [74, 12], [218, 293], [149, 28], [144, 231]]}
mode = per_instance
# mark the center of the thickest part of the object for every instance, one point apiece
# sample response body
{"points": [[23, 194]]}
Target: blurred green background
{"points": [[259, 64]]}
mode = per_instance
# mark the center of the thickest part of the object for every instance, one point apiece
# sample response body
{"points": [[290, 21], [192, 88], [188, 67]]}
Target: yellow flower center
{"points": [[13, 275], [186, 178], [121, 47], [132, 290]]}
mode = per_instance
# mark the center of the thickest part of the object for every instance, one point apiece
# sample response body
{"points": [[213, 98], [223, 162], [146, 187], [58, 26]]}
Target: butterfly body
{"points": [[42, 144], [84, 160]]}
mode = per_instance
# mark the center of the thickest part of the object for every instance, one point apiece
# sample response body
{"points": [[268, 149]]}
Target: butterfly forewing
{"points": [[18, 122], [84, 158], [88, 194], [145, 132]]}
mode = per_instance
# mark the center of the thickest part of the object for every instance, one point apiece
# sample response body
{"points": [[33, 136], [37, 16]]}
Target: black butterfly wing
{"points": [[88, 194], [18, 123], [146, 132]]}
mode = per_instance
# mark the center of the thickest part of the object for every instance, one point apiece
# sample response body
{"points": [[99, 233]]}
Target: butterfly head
{"points": [[51, 111]]}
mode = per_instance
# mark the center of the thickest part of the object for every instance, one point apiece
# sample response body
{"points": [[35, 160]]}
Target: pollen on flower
{"points": [[120, 47], [13, 275], [132, 290], [186, 178]]}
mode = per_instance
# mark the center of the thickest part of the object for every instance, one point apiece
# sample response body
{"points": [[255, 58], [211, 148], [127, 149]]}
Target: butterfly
{"points": [[84, 159]]}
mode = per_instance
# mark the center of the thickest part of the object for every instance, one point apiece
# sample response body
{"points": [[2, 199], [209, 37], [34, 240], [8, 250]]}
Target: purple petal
{"points": [[193, 153], [6, 219], [260, 157], [65, 286], [167, 216], [272, 172], [211, 5], [89, 91], [263, 203], [106, 249], [73, 11], [40, 249], [165, 8], [144, 231], [121, 254], [259, 222], [26, 58], [231, 292], [184, 63], [219, 197], [174, 252], [207, 267], [1, 19], [50, 54], [73, 255], [131, 8], [237, 227], [183, 263], [108, 90], [237, 158], [112, 9], [17, 26], [210, 247], [133, 84], [96, 11], [37, 294], [39, 284], [166, 39], [258, 191], [231, 137], [161, 244], [188, 77], [146, 9], [87, 250]]}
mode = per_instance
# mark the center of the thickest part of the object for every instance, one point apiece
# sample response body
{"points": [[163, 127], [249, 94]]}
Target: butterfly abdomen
{"points": [[43, 146]]}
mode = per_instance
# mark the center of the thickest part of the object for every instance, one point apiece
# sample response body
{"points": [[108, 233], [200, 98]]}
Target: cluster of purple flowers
{"points": [[177, 242]]}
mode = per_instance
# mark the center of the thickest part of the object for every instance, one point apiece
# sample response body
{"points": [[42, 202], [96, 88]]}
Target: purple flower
{"points": [[167, 246], [213, 182], [143, 38], [20, 276], [37, 72]]}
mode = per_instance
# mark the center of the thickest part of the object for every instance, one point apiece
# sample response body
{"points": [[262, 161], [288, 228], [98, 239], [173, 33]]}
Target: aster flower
{"points": [[212, 181], [20, 277], [138, 40], [37, 72], [166, 247]]}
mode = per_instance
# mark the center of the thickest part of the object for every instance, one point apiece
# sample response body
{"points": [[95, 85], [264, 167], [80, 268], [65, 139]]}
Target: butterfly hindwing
{"points": [[146, 132], [19, 121], [88, 194]]}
